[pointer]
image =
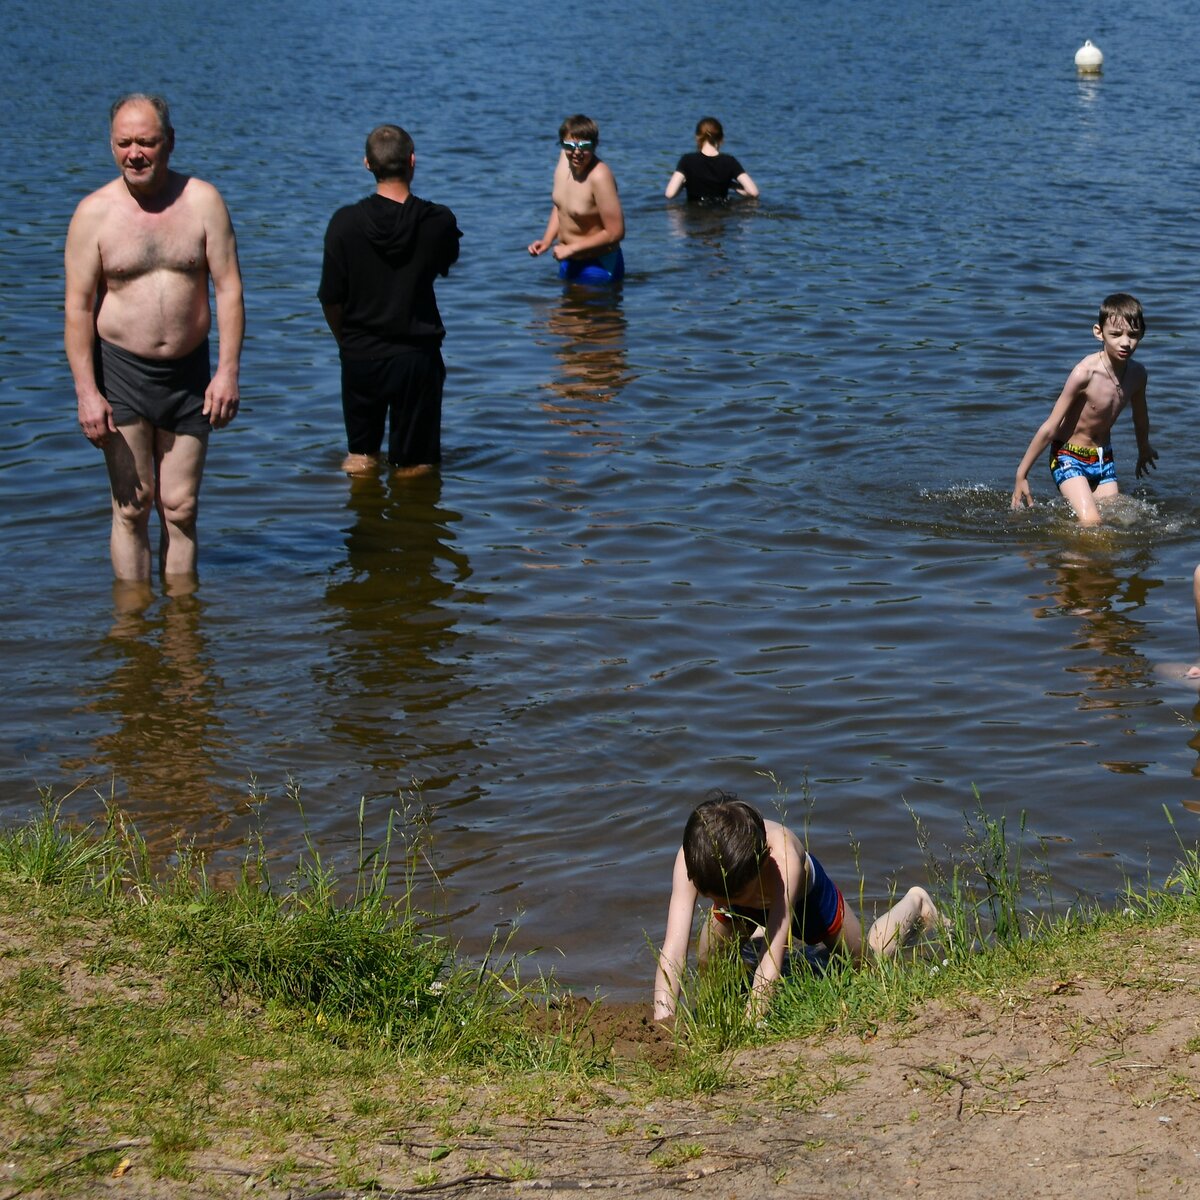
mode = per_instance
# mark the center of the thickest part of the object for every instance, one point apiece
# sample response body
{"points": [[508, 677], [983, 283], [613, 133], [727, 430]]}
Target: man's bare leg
{"points": [[914, 910], [180, 469], [129, 456], [131, 598]]}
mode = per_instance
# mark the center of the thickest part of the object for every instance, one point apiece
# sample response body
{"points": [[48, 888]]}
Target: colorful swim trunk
{"points": [[167, 392], [1093, 463], [608, 268]]}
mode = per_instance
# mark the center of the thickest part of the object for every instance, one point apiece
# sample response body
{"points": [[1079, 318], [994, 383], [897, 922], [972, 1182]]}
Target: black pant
{"points": [[408, 386]]}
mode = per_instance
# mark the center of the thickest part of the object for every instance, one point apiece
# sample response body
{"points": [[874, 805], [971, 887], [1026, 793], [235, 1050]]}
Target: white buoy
{"points": [[1089, 60]]}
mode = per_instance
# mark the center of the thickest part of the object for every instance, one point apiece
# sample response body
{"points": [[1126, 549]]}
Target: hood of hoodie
{"points": [[392, 227]]}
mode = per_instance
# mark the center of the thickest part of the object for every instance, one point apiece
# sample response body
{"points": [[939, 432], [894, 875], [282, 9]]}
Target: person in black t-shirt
{"points": [[382, 256], [706, 173]]}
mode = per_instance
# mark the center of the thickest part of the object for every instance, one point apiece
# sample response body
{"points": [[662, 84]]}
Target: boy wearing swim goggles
{"points": [[586, 223]]}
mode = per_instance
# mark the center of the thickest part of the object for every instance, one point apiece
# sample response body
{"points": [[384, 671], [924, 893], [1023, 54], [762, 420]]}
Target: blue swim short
{"points": [[608, 268], [816, 917], [1095, 464]]}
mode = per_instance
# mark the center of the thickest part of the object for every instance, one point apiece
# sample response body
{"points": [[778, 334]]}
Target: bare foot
{"points": [[927, 913], [411, 472], [1192, 673], [360, 464]]}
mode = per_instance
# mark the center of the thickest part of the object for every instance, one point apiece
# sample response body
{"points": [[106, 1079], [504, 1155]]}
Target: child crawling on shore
{"points": [[757, 873]]}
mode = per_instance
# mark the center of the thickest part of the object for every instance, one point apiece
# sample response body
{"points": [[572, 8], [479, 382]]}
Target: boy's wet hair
{"points": [[389, 153], [579, 127], [1121, 306], [724, 844]]}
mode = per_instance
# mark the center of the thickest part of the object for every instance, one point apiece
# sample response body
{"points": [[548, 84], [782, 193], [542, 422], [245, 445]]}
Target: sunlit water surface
{"points": [[746, 518]]}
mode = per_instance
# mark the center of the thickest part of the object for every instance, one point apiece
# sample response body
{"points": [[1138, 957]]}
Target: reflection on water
{"points": [[587, 329], [161, 699], [710, 227], [1105, 590], [390, 671], [771, 472]]}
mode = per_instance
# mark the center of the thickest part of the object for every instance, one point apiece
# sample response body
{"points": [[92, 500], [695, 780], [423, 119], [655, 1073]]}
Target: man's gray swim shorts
{"points": [[167, 392]]}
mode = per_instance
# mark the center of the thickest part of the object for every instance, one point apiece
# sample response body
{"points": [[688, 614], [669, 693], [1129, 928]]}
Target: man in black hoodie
{"points": [[381, 258]]}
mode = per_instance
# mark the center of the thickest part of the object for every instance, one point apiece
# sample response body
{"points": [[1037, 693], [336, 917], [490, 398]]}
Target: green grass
{"points": [[165, 1011], [160, 1015], [994, 940]]}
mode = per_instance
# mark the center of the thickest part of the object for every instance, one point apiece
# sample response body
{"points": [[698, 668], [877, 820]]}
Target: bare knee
{"points": [[179, 511], [132, 509]]}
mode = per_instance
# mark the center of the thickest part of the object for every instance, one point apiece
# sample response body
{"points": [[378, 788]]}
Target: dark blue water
{"points": [[747, 517]]}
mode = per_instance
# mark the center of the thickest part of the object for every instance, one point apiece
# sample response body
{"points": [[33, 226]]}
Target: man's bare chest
{"points": [[130, 250]]}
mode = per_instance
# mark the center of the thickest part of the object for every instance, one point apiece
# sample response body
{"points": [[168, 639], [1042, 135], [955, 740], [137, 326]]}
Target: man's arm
{"points": [[221, 396], [333, 318], [672, 958], [83, 271], [612, 219], [449, 236], [1147, 457]]}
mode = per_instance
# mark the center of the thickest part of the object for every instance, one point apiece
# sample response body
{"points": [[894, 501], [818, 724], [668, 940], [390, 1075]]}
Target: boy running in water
{"points": [[1079, 427]]}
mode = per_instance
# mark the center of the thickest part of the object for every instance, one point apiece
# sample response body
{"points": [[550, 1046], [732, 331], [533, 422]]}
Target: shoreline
{"points": [[144, 1059]]}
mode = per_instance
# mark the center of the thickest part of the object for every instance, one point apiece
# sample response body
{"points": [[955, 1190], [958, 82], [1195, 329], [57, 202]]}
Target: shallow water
{"points": [[747, 516]]}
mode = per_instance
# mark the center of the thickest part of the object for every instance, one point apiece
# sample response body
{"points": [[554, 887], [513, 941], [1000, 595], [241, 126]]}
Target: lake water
{"points": [[747, 516]]}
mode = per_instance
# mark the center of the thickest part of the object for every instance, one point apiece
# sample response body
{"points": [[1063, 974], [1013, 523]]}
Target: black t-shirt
{"points": [[708, 176], [381, 258]]}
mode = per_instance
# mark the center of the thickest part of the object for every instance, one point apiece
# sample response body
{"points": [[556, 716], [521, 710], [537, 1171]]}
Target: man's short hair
{"points": [[1121, 306], [156, 102], [724, 844], [580, 127], [389, 153]]}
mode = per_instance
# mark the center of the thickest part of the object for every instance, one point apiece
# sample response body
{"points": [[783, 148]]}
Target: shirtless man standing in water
{"points": [[140, 253], [586, 219]]}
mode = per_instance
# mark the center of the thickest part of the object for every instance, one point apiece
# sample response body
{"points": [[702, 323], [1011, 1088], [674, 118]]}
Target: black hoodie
{"points": [[381, 258]]}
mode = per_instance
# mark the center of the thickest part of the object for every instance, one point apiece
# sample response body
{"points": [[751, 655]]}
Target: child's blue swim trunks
{"points": [[1093, 463], [608, 268], [816, 917]]}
